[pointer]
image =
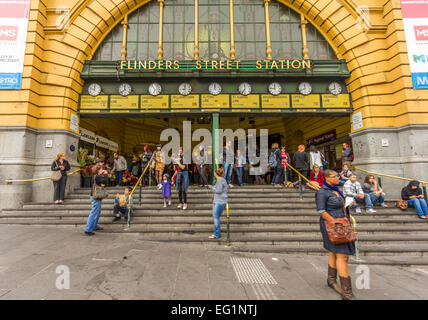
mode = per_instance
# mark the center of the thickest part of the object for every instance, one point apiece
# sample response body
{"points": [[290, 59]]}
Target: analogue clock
{"points": [[214, 88], [185, 88], [155, 89], [245, 88], [305, 88], [125, 89], [335, 88], [275, 88], [94, 89]]}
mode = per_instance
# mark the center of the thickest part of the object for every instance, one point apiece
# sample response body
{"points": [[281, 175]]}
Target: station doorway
{"points": [[132, 134]]}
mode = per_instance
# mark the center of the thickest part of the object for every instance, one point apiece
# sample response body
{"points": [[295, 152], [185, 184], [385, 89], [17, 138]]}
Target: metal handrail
{"points": [[135, 187], [38, 179], [390, 176], [302, 176], [227, 225]]}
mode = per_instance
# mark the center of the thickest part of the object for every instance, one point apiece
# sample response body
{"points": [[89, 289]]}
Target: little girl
{"points": [[166, 189]]}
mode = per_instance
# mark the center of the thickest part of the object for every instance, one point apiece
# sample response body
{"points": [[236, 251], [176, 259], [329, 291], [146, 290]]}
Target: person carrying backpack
{"points": [[301, 162], [275, 164]]}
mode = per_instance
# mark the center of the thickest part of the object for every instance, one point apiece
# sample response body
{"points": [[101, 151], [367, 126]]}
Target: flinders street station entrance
{"points": [[249, 65]]}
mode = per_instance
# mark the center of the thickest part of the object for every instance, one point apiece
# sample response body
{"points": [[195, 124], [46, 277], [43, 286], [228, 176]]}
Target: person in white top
{"points": [[315, 157]]}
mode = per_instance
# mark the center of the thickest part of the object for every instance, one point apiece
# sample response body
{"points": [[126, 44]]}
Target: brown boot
{"points": [[331, 280], [346, 285]]}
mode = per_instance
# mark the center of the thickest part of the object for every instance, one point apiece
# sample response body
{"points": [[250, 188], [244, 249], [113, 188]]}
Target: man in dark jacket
{"points": [[412, 193], [347, 154], [301, 162]]}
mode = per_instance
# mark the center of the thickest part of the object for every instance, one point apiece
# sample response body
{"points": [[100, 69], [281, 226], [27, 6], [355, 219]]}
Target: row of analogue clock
{"points": [[215, 88]]}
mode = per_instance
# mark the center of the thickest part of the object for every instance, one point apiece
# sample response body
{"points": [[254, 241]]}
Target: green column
{"points": [[215, 143]]}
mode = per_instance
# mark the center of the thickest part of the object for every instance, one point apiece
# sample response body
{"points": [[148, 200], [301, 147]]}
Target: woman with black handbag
{"points": [[60, 166], [331, 206], [98, 193]]}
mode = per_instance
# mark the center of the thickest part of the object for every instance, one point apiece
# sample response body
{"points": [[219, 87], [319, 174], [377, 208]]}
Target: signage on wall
{"points": [[357, 121], [325, 137], [13, 35], [74, 122], [223, 102], [211, 65], [415, 20]]}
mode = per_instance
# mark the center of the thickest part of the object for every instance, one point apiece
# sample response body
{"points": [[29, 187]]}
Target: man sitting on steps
{"points": [[121, 203], [352, 189]]}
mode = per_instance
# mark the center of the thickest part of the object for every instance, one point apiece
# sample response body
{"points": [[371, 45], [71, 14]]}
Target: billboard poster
{"points": [[415, 20], [14, 16]]}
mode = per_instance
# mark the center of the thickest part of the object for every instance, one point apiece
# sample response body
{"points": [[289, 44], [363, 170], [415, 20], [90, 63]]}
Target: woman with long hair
{"points": [[316, 177], [159, 164], [331, 205], [60, 163], [100, 178], [219, 202]]}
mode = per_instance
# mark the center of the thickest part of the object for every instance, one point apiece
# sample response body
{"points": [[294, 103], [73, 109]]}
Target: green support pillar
{"points": [[215, 143]]}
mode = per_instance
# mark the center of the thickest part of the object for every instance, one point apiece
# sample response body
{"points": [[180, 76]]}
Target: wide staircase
{"points": [[262, 218]]}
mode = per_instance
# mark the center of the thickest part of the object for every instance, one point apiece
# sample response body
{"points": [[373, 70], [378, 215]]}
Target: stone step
{"points": [[365, 250], [206, 224]]}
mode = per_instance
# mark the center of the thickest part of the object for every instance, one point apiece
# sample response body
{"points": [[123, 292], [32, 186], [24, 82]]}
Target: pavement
{"points": [[44, 262]]}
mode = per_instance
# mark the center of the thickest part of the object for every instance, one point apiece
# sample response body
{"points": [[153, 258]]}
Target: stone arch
{"points": [[99, 19]]}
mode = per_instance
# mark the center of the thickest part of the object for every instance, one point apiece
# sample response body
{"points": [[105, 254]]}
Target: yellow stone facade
{"points": [[380, 81]]}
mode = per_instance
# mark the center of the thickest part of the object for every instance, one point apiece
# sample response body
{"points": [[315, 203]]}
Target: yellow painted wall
{"points": [[380, 82]]}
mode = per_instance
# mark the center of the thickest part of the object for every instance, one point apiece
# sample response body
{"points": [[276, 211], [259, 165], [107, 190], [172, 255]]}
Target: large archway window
{"points": [[214, 37]]}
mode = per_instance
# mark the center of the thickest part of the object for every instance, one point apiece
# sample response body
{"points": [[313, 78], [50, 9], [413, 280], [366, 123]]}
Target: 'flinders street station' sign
{"points": [[212, 65]]}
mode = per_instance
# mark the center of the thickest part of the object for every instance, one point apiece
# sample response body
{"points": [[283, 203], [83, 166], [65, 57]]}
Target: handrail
{"points": [[135, 187], [302, 176], [38, 179], [227, 225], [389, 176]]}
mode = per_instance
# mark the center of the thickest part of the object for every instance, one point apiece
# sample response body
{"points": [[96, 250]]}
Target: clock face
{"points": [[214, 88], [155, 89], [185, 89], [275, 88], [94, 89], [305, 88], [245, 88], [335, 88], [125, 89]]}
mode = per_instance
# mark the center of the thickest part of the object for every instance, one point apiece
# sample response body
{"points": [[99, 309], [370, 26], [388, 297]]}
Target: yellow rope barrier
{"points": [[388, 175], [37, 179], [302, 176]]}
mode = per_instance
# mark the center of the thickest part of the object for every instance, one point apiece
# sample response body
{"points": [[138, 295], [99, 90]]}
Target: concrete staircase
{"points": [[263, 218]]}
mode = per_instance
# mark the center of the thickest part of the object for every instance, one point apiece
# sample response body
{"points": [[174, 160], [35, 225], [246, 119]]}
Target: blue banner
{"points": [[10, 80], [420, 80]]}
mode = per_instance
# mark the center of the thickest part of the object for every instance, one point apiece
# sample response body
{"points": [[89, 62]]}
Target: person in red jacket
{"points": [[316, 177]]}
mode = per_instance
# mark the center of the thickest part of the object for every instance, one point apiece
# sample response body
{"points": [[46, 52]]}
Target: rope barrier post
{"points": [[285, 176], [424, 187], [129, 211], [227, 225], [354, 225], [379, 182], [139, 196], [300, 188]]}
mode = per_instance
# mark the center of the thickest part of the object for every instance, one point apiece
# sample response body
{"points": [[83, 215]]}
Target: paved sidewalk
{"points": [[125, 266]]}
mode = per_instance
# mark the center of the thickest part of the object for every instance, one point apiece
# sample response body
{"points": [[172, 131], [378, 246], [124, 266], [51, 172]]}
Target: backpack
{"points": [[272, 160], [324, 162]]}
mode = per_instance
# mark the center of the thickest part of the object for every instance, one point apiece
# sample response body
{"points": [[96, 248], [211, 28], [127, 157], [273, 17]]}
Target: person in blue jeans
{"points": [[277, 169], [228, 160], [219, 202], [101, 179], [239, 165], [412, 193], [372, 188]]}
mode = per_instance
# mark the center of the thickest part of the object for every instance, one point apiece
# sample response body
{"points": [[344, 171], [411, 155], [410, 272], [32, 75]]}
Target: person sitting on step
{"points": [[371, 187], [121, 205], [345, 174], [412, 193], [352, 189]]}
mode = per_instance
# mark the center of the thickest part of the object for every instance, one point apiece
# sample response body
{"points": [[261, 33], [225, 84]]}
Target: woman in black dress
{"points": [[60, 163], [331, 205]]}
